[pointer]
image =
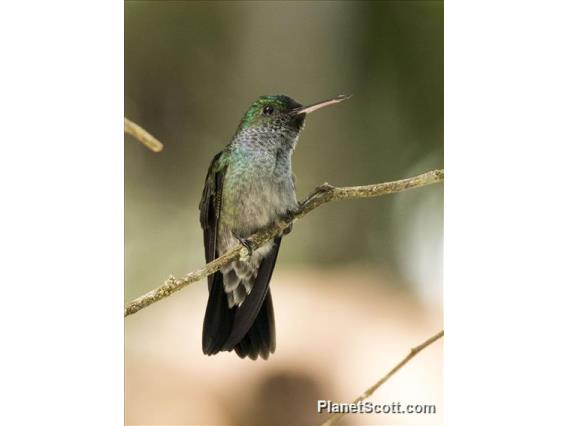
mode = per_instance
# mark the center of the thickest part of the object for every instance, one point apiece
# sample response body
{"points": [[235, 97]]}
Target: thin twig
{"points": [[335, 417], [142, 135], [321, 195]]}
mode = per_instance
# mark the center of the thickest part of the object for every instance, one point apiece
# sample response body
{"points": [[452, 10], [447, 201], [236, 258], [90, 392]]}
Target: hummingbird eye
{"points": [[267, 110]]}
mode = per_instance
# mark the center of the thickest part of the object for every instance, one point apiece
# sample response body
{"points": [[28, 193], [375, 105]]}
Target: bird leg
{"points": [[288, 217], [245, 243], [288, 229]]}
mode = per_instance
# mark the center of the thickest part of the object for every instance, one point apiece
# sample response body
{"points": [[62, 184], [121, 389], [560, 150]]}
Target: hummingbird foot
{"points": [[288, 229], [290, 214], [245, 243], [288, 218]]}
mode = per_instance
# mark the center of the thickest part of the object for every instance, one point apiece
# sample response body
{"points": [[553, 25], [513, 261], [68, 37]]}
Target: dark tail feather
{"points": [[249, 329], [248, 312], [261, 338], [219, 318]]}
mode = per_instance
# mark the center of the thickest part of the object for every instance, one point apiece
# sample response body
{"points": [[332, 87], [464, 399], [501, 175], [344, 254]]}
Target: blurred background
{"points": [[358, 282]]}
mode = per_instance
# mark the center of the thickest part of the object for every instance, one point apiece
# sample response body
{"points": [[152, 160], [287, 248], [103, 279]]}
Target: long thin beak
{"points": [[322, 104]]}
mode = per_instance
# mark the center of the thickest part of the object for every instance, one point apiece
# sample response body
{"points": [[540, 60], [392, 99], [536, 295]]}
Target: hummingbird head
{"points": [[281, 114]]}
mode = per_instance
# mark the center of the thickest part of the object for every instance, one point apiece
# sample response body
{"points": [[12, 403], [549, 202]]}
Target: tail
{"points": [[248, 329], [219, 322]]}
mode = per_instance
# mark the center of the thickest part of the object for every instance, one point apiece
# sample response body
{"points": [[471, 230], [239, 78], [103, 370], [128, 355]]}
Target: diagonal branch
{"points": [[413, 352], [142, 135], [321, 195]]}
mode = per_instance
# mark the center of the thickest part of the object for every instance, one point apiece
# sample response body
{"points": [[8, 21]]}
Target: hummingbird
{"points": [[249, 186]]}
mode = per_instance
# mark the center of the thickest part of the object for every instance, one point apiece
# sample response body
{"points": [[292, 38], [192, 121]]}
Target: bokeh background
{"points": [[357, 282]]}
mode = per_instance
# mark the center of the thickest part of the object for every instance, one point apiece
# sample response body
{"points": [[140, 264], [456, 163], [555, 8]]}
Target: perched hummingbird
{"points": [[249, 186]]}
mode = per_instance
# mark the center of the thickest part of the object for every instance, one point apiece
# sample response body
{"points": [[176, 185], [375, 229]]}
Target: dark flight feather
{"points": [[264, 328], [248, 329], [210, 208], [248, 312], [218, 321]]}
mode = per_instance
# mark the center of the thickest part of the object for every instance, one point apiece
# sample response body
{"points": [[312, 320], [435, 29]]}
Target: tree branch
{"points": [[413, 352], [321, 195], [142, 135]]}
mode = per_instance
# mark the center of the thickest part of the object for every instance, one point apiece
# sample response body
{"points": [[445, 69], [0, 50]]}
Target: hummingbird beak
{"points": [[322, 104]]}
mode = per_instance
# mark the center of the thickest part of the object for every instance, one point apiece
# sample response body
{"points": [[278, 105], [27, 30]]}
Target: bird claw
{"points": [[286, 219], [245, 243], [290, 214], [287, 230]]}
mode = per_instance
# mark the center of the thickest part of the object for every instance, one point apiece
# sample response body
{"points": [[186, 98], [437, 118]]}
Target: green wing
{"points": [[210, 207], [218, 321]]}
